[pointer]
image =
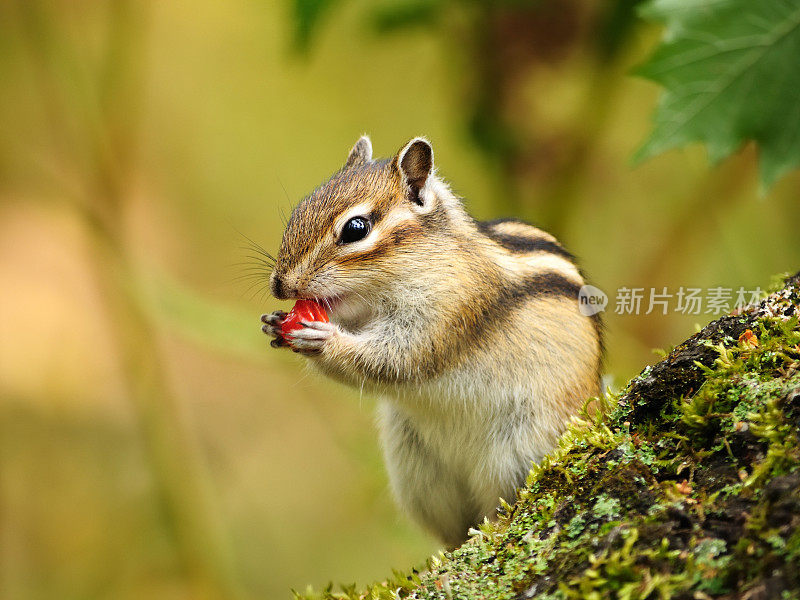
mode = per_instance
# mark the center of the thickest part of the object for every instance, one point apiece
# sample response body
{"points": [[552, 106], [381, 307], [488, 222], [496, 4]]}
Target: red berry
{"points": [[303, 310]]}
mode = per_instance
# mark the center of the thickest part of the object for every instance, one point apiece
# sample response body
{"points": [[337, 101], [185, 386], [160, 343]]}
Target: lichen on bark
{"points": [[687, 487]]}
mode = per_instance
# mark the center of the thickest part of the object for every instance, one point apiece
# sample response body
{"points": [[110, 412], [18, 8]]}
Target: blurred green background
{"points": [[151, 443]]}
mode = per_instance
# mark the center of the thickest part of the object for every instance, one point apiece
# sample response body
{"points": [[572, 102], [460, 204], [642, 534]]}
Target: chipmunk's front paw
{"points": [[272, 327], [312, 337]]}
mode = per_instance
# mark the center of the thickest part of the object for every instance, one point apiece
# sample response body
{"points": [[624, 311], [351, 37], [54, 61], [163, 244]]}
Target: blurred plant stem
{"points": [[99, 143], [561, 194], [183, 488], [538, 178]]}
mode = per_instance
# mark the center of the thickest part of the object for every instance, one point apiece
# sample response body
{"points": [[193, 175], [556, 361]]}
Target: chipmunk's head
{"points": [[365, 229]]}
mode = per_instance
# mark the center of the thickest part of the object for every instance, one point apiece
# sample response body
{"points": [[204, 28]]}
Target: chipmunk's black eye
{"points": [[355, 229]]}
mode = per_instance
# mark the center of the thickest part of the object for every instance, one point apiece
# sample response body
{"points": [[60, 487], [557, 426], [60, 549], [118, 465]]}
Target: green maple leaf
{"points": [[731, 73]]}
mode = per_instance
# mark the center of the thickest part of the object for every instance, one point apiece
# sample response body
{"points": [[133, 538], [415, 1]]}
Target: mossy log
{"points": [[688, 487]]}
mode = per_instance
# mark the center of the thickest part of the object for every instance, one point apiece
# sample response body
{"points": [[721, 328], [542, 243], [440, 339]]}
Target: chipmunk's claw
{"points": [[272, 327], [273, 318]]}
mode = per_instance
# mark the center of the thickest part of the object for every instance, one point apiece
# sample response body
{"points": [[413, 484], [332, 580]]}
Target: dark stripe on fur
{"points": [[547, 284], [543, 284], [498, 312], [521, 244], [470, 329]]}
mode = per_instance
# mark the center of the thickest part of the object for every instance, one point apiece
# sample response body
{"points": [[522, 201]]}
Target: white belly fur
{"points": [[453, 450]]}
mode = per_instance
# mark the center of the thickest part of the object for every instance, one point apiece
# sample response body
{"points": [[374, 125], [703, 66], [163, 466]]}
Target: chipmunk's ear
{"points": [[414, 163], [361, 152]]}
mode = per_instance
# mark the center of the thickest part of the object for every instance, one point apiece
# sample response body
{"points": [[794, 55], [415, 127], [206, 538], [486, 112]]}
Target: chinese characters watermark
{"points": [[683, 300]]}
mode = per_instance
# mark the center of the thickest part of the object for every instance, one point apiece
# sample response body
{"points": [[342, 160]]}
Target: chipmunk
{"points": [[468, 332]]}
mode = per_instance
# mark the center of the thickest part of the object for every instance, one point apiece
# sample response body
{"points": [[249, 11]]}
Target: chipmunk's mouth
{"points": [[330, 304]]}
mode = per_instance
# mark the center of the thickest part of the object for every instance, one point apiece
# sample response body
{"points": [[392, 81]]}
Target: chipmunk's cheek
{"points": [[351, 311]]}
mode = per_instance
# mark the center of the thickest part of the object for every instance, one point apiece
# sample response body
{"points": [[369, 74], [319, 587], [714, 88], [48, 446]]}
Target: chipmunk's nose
{"points": [[278, 287]]}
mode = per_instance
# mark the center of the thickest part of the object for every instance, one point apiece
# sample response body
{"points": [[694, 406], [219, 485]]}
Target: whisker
{"points": [[261, 261], [255, 246], [260, 252], [256, 264], [281, 210], [256, 276], [257, 270], [254, 289], [249, 278], [260, 257]]}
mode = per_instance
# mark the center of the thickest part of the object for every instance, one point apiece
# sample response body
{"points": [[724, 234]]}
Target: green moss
{"points": [[687, 487]]}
